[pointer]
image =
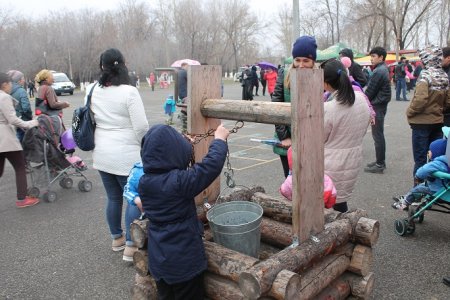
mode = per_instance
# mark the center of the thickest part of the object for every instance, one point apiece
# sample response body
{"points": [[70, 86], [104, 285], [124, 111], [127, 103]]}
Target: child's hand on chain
{"points": [[221, 133]]}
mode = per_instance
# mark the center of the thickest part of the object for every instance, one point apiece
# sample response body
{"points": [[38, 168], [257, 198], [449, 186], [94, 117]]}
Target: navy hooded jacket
{"points": [[167, 190]]}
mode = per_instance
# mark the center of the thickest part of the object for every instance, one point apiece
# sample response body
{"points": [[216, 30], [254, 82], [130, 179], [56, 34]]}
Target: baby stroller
{"points": [[48, 161], [439, 201]]}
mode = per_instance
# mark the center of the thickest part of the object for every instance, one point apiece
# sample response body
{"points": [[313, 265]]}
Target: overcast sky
{"points": [[33, 8]]}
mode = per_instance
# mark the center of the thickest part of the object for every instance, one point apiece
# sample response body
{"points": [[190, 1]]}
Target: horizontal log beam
{"points": [[249, 111]]}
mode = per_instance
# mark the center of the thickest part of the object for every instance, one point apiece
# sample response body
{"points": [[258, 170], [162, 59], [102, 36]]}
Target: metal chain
{"points": [[197, 138]]}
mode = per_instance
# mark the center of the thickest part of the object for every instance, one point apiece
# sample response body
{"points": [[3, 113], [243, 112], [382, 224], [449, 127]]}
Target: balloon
{"points": [[67, 140]]}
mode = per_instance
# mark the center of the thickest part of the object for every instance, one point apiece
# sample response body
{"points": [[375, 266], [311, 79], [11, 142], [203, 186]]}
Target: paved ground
{"points": [[62, 250]]}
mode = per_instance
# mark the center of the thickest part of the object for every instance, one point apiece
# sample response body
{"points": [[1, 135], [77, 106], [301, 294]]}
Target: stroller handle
{"points": [[441, 175]]}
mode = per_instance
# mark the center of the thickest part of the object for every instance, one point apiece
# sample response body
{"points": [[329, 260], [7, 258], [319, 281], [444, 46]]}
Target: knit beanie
{"points": [[15, 75], [438, 147], [305, 46]]}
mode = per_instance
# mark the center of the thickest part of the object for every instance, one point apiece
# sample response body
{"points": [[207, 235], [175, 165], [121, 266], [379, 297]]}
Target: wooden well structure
{"points": [[307, 252]]}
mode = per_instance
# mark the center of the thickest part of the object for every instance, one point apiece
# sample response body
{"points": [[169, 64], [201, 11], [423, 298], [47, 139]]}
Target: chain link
{"points": [[197, 138]]}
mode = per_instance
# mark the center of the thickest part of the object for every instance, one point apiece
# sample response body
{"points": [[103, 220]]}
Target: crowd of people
{"points": [[152, 168]]}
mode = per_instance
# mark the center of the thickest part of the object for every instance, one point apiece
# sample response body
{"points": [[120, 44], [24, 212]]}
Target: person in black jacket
{"points": [[167, 189], [255, 80], [263, 81], [355, 69], [182, 94], [379, 93]]}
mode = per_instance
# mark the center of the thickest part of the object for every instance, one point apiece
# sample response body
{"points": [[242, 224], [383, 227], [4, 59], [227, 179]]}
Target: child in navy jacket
{"points": [[176, 255], [438, 162]]}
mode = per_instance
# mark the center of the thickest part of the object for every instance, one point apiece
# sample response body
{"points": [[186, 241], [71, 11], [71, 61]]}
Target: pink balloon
{"points": [[346, 62], [67, 140]]}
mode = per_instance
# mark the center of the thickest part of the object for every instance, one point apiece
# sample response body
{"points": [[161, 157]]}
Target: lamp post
{"points": [[295, 20], [45, 59]]}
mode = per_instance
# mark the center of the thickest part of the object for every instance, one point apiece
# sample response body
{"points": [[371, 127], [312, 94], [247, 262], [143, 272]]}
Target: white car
{"points": [[62, 84]]}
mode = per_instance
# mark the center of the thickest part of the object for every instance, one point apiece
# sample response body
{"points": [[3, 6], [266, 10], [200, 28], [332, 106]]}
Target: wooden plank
{"points": [[308, 152], [203, 83], [249, 111]]}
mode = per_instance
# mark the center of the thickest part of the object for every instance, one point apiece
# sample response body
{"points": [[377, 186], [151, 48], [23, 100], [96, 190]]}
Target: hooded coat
{"points": [[432, 93], [167, 190], [23, 107], [355, 69]]}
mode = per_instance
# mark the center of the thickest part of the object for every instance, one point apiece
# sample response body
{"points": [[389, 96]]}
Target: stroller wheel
{"points": [[400, 227], [85, 186], [50, 196], [410, 227], [66, 183], [34, 192]]}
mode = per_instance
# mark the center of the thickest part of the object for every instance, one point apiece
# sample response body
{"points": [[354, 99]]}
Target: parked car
{"points": [[62, 84]]}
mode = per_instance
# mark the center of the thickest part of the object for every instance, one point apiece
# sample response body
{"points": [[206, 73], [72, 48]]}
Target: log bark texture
{"points": [[267, 250], [336, 290], [286, 285], [276, 233], [321, 275], [361, 287], [144, 288], [225, 262], [276, 208], [220, 288], [361, 262], [138, 232], [257, 280], [140, 261], [367, 232]]}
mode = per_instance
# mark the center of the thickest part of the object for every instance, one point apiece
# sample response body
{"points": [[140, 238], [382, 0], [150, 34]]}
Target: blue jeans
{"points": [[20, 133], [378, 134], [417, 192], [114, 185], [421, 140], [400, 86]]}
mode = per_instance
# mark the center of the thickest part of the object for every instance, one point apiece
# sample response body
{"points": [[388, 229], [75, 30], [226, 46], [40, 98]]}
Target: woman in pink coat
{"points": [[346, 119], [271, 77]]}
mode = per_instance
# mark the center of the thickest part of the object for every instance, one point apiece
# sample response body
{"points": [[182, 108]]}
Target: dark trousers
{"points": [[421, 140], [264, 83], [193, 289], [17, 160], [378, 134], [285, 164]]}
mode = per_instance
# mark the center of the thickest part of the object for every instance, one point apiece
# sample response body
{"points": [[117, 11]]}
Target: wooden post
{"points": [[308, 152], [203, 83]]}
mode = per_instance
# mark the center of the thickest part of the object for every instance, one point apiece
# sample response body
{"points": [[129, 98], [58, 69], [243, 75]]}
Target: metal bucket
{"points": [[236, 225]]}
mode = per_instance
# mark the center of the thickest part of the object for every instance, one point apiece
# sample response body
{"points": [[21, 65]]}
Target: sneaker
{"points": [[128, 253], [370, 165], [379, 169], [118, 244], [400, 205], [401, 198], [28, 201]]}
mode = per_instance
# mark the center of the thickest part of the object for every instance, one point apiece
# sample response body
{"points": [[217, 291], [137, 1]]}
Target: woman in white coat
{"points": [[346, 119], [121, 124], [10, 147]]}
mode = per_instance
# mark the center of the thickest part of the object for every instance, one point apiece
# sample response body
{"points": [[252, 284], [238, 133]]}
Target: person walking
{"points": [[263, 81], [379, 93], [10, 147], [247, 84], [304, 53], [182, 94], [271, 77], [31, 88], [425, 112], [400, 80], [46, 100], [18, 92], [255, 81], [121, 124], [152, 80]]}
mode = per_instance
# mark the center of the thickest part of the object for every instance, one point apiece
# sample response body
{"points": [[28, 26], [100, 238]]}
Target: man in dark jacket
{"points": [[247, 84], [18, 92], [167, 189], [355, 69], [379, 93], [400, 79]]}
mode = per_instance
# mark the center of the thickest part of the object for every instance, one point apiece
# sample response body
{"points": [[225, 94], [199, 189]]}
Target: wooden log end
{"points": [[367, 231], [249, 285], [362, 259]]}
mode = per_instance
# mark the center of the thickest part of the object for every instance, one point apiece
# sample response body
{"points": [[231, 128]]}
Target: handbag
{"points": [[83, 125]]}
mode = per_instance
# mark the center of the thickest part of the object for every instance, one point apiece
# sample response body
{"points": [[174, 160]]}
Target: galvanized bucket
{"points": [[236, 225]]}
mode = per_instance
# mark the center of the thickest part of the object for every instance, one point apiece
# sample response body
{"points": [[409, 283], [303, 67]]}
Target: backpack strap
{"points": [[88, 102]]}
